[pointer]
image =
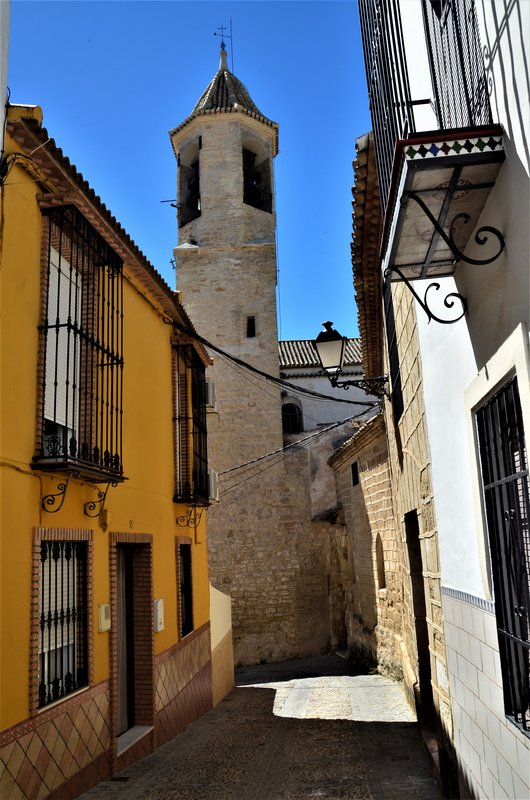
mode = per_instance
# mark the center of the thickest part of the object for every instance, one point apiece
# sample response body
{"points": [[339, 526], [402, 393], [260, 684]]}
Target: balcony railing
{"points": [[457, 69], [457, 64], [388, 84], [188, 210]]}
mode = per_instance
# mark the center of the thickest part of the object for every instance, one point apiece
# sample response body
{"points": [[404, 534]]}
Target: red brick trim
{"points": [[41, 352], [63, 535], [144, 648]]}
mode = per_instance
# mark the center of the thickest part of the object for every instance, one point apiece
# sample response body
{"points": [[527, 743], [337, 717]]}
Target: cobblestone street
{"points": [[294, 731]]}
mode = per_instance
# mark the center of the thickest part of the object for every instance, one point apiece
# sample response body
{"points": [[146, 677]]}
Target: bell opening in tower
{"points": [[189, 195], [257, 178]]}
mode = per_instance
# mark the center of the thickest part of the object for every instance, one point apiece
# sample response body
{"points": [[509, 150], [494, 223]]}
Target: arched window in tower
{"points": [[189, 195], [257, 177], [292, 420]]}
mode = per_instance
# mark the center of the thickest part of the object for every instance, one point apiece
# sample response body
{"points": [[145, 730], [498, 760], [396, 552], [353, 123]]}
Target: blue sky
{"points": [[114, 77]]}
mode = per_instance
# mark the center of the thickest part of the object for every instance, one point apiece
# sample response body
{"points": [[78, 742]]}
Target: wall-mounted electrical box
{"points": [[158, 615], [103, 617]]}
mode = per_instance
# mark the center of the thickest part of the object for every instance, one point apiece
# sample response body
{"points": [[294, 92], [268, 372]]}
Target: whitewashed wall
{"points": [[463, 364]]}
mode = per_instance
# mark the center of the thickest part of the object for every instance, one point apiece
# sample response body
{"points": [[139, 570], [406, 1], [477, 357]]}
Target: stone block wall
{"points": [[372, 589], [268, 555], [413, 500]]}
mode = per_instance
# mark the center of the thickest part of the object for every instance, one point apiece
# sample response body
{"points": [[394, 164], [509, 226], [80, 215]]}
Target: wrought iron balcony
{"points": [[440, 186], [188, 210]]}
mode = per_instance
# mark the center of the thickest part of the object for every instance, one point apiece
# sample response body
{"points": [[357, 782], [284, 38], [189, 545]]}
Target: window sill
{"points": [[65, 699], [129, 738], [85, 470]]}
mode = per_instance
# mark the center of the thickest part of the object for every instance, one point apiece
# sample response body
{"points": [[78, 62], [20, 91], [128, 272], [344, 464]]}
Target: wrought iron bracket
{"points": [[58, 498], [481, 236], [189, 519], [375, 386], [95, 507], [448, 301]]}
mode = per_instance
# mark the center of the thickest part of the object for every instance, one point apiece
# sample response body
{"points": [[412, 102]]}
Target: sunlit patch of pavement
{"points": [[361, 698]]}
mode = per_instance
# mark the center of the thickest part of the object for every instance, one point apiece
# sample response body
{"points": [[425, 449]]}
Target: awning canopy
{"points": [[442, 181]]}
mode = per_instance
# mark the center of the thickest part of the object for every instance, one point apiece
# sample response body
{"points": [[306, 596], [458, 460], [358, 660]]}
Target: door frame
{"points": [[141, 554]]}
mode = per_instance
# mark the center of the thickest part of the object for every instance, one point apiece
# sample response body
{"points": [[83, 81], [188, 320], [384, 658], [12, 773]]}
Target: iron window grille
{"points": [[388, 83], [81, 335], [457, 71], [191, 460], [504, 469], [457, 63], [63, 637]]}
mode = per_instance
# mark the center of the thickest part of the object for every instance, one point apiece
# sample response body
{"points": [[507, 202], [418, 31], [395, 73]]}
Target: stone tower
{"points": [[226, 258], [261, 540]]}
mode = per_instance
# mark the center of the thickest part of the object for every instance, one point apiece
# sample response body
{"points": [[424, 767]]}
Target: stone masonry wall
{"points": [[373, 603], [412, 493], [263, 548]]}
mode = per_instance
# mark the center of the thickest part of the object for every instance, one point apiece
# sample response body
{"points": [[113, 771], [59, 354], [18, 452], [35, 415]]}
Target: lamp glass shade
{"points": [[330, 346]]}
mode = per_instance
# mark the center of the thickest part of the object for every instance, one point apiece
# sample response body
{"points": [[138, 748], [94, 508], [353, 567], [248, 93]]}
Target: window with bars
{"points": [[189, 421], [457, 63], [63, 636], [457, 70], [504, 469], [80, 421], [391, 106]]}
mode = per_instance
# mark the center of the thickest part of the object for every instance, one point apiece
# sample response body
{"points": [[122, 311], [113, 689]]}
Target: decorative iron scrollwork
{"points": [[448, 301], [57, 499], [375, 386], [94, 507], [190, 519], [481, 237]]}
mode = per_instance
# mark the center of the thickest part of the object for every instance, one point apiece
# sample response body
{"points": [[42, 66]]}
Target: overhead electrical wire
{"points": [[298, 443], [301, 390]]}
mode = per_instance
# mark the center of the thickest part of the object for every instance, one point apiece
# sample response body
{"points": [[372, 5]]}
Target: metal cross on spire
{"points": [[224, 35], [222, 28]]}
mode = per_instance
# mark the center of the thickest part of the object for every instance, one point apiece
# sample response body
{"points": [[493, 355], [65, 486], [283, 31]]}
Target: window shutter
{"points": [[61, 403]]}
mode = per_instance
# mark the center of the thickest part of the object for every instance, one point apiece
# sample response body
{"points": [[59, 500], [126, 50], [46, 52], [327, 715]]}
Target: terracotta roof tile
{"points": [[302, 353]]}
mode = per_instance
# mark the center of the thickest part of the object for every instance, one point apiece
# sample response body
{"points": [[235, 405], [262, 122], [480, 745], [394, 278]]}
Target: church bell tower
{"points": [[226, 260]]}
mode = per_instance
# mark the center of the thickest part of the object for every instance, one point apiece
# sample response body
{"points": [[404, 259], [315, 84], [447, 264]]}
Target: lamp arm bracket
{"points": [[375, 386]]}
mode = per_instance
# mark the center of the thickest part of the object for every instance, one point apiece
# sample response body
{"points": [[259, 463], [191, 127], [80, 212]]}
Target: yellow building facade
{"points": [[105, 603]]}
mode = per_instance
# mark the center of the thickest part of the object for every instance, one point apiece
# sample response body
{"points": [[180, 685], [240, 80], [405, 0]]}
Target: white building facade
{"points": [[463, 154]]}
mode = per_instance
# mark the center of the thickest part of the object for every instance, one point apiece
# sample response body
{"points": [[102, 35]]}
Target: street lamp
{"points": [[331, 347]]}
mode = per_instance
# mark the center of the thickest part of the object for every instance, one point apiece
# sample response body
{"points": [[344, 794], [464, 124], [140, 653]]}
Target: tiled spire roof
{"points": [[302, 353], [224, 94]]}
